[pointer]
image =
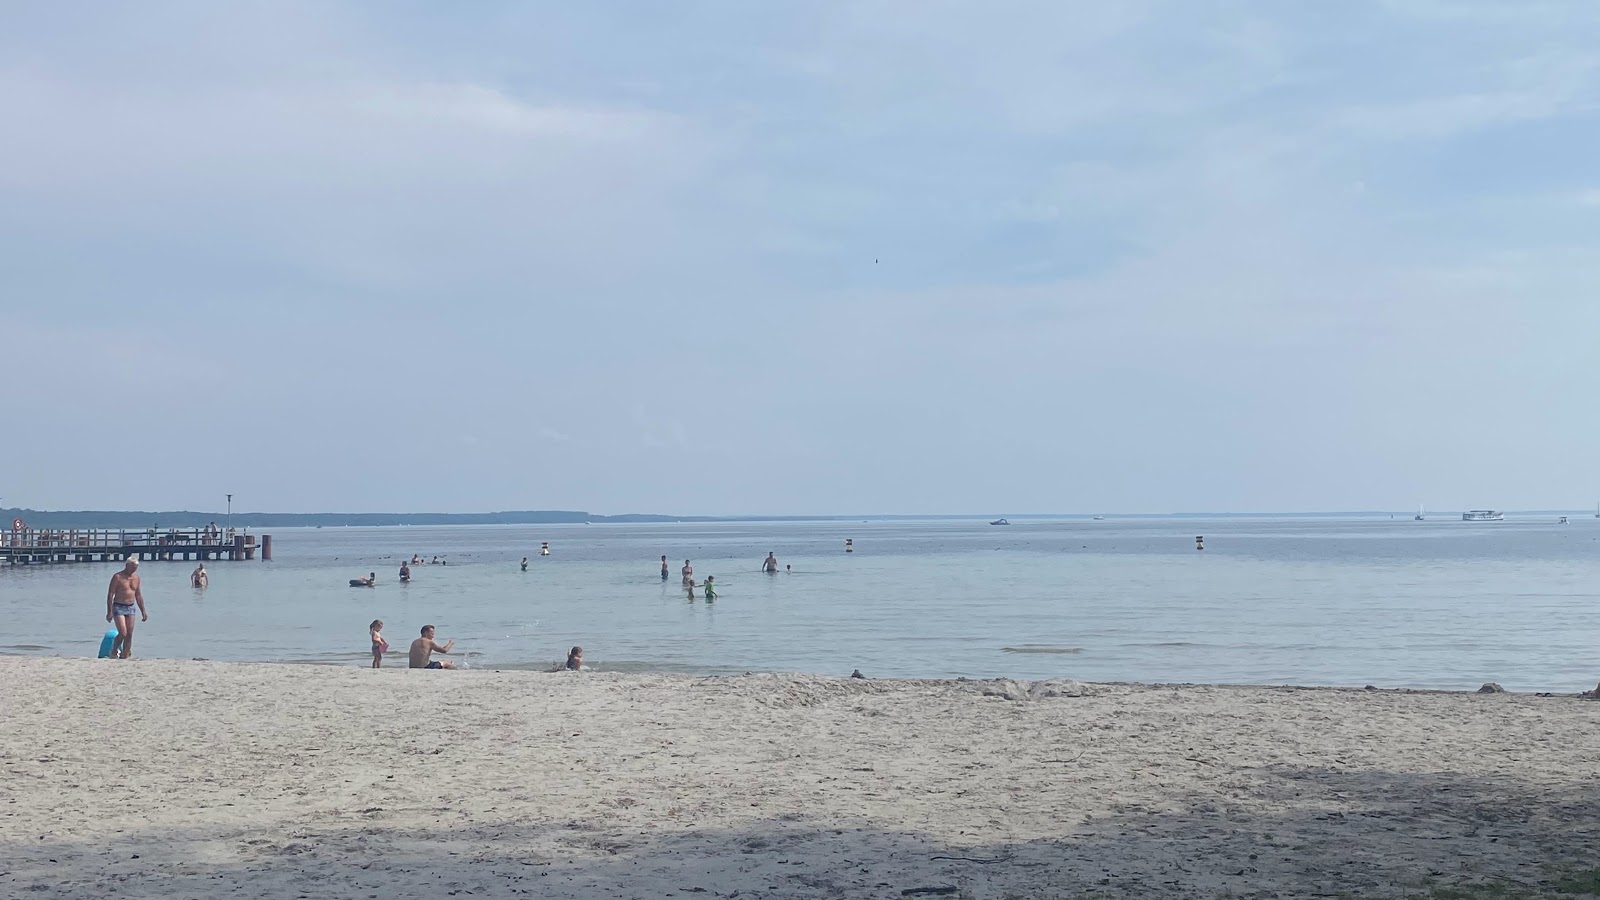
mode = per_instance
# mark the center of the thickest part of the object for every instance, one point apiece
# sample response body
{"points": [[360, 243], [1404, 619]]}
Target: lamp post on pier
{"points": [[230, 514]]}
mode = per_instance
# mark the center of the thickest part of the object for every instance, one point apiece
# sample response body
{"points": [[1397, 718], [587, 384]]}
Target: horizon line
{"points": [[18, 511]]}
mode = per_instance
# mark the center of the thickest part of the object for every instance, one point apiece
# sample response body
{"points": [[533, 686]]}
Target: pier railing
{"points": [[118, 539]]}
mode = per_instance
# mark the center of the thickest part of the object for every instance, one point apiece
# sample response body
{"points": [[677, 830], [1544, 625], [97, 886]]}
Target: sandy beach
{"points": [[158, 778]]}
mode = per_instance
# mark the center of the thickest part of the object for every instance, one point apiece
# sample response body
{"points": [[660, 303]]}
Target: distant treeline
{"points": [[257, 520], [190, 519]]}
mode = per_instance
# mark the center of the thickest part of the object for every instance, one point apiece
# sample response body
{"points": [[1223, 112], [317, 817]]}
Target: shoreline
{"points": [[555, 666], [193, 778]]}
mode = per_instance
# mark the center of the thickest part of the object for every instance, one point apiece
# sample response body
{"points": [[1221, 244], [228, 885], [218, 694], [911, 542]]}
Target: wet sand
{"points": [[157, 778]]}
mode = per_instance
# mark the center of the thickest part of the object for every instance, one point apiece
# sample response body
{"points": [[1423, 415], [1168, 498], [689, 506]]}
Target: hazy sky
{"points": [[735, 257]]}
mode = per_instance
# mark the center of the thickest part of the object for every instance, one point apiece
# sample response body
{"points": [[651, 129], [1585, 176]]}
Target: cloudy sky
{"points": [[733, 257]]}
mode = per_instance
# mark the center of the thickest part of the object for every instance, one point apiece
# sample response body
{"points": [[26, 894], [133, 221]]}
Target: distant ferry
{"points": [[999, 522], [1483, 515]]}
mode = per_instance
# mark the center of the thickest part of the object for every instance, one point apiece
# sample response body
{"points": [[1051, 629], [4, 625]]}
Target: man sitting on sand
{"points": [[423, 648]]}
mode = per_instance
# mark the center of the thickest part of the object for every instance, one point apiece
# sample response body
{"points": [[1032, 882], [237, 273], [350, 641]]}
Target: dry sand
{"points": [[193, 779]]}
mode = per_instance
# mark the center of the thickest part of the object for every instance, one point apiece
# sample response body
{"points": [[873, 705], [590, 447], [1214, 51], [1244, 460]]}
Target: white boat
{"points": [[1483, 515], [1418, 517]]}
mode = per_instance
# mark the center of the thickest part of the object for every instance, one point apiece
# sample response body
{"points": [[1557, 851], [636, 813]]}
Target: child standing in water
{"points": [[379, 645], [711, 588]]}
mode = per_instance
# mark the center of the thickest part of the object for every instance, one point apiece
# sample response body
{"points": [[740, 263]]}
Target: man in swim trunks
{"points": [[771, 565], [423, 648], [121, 598], [663, 567], [198, 578], [405, 572]]}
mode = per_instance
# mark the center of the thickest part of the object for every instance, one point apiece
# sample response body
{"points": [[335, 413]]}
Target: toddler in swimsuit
{"points": [[379, 645]]}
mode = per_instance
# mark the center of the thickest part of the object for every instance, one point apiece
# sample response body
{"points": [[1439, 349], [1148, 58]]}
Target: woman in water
{"points": [[575, 659]]}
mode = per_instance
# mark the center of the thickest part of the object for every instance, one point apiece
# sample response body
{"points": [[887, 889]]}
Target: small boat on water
{"points": [[999, 522], [1099, 518], [1561, 521], [1419, 517], [1483, 515]]}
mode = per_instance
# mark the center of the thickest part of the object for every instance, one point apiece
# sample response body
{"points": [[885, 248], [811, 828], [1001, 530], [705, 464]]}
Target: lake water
{"points": [[1438, 604]]}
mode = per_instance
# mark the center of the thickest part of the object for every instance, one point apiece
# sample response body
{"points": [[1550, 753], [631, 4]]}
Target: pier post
{"points": [[266, 548]]}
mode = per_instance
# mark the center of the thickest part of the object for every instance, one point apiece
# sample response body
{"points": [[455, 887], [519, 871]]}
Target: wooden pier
{"points": [[34, 546]]}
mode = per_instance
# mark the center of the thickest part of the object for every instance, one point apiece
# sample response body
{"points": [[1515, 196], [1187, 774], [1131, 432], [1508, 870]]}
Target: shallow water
{"points": [[1443, 603]]}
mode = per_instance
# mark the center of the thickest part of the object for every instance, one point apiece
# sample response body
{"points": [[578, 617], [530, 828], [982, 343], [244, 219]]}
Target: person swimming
{"points": [[575, 659], [770, 564]]}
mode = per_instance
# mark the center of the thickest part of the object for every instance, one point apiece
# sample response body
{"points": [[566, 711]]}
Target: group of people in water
{"points": [[709, 586], [371, 580], [125, 599]]}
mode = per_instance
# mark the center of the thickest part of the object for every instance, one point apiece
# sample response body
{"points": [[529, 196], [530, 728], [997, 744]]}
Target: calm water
{"points": [[1393, 603]]}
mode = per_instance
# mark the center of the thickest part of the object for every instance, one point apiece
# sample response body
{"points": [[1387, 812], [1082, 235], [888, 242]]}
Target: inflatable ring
{"points": [[17, 524]]}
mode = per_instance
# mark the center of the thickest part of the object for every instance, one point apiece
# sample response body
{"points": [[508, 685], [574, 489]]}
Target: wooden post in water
{"points": [[266, 548]]}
